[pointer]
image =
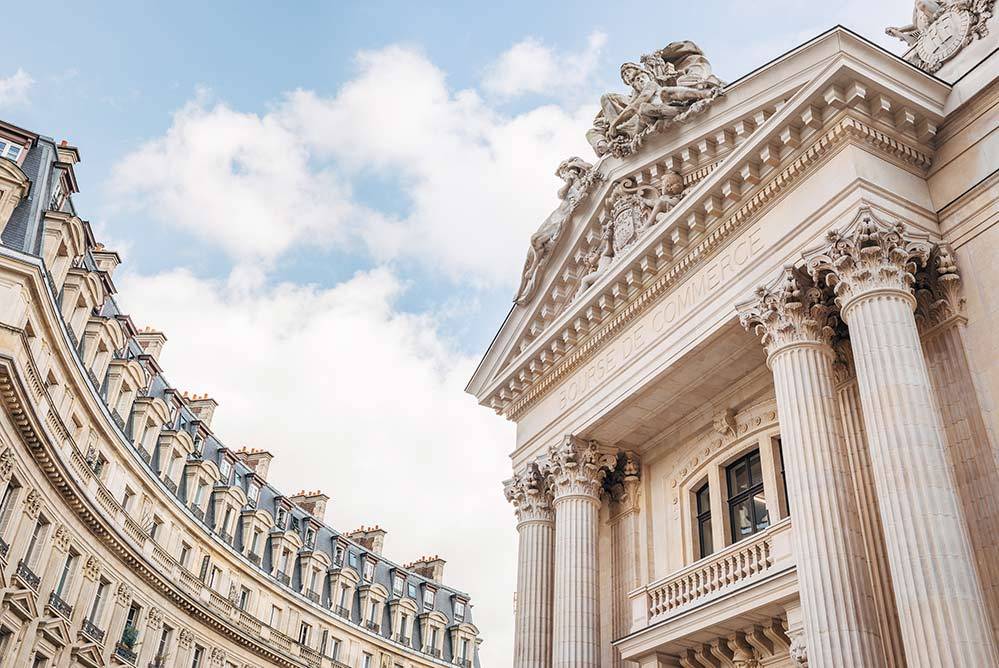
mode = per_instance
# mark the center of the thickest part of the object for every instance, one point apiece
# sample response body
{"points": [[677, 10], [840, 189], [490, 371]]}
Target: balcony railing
{"points": [[27, 575], [60, 606], [313, 596], [254, 557], [146, 457], [198, 512], [405, 640], [4, 549], [125, 654], [735, 566], [90, 630], [171, 485], [118, 419], [342, 611], [283, 578], [373, 626], [225, 536]]}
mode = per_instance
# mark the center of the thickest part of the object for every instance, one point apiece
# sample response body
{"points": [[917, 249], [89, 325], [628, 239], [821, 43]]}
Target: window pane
{"points": [[742, 520], [756, 472], [760, 510], [707, 547], [703, 500]]}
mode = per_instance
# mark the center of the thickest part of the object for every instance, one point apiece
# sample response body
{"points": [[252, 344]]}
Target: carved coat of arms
{"points": [[630, 208], [940, 29]]}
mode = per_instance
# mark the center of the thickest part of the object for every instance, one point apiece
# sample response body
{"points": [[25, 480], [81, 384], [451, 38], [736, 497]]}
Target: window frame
{"points": [[753, 488]]}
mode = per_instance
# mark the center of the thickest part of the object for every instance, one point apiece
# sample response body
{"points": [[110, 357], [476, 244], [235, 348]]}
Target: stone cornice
{"points": [[642, 289]]}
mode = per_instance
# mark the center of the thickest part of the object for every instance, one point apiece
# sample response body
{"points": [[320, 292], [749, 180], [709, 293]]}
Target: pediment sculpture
{"points": [[579, 178], [632, 208], [667, 87], [940, 29]]}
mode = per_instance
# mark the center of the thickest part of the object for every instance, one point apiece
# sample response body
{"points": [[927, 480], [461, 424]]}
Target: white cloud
{"points": [[357, 399], [14, 89], [529, 66], [260, 185]]}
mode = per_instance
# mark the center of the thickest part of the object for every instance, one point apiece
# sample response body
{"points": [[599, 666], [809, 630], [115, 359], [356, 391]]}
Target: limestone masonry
{"points": [[754, 366]]}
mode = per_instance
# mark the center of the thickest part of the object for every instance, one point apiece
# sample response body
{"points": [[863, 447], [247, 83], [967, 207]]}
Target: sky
{"points": [[325, 206]]}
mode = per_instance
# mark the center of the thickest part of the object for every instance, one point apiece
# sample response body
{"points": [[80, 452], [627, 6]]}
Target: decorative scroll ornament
{"points": [[92, 568], [938, 289], [185, 638], [579, 177], [668, 87], [33, 504], [577, 467], [792, 310], [61, 538], [940, 29], [155, 618], [869, 255], [6, 464], [124, 594], [529, 495], [217, 657]]}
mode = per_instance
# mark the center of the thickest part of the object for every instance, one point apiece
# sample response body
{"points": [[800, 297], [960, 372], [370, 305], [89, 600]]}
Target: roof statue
{"points": [[939, 29], [667, 87], [579, 177]]}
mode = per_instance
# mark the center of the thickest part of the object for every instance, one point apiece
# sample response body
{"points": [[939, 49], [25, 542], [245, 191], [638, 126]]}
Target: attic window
{"points": [[310, 537], [9, 150], [369, 570], [459, 610], [225, 468], [253, 493], [428, 598]]}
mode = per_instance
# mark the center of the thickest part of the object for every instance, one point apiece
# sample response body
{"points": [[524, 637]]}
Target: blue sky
{"points": [[325, 206]]}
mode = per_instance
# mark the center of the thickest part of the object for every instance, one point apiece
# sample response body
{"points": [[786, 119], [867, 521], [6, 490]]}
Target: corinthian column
{"points": [[941, 613], [836, 598], [622, 485], [535, 557], [576, 475]]}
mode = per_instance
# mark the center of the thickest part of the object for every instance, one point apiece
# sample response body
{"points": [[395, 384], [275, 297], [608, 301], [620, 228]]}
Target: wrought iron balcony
{"points": [[342, 611], [146, 457], [93, 379], [27, 575], [226, 537], [4, 549], [198, 512], [90, 630], [313, 596], [118, 419], [283, 578], [434, 652], [254, 557], [171, 485], [405, 640], [60, 606], [125, 654], [373, 626]]}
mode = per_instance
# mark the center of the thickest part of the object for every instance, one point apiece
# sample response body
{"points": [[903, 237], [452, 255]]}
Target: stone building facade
{"points": [[129, 533], [753, 365]]}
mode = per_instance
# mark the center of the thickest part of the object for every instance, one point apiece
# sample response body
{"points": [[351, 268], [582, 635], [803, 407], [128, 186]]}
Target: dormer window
{"points": [[253, 493], [411, 591], [369, 570], [398, 584], [459, 610], [428, 598], [225, 468], [338, 555], [9, 150], [352, 560], [281, 515], [310, 537]]}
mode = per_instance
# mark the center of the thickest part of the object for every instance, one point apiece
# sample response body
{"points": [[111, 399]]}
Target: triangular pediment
{"points": [[88, 655], [23, 603], [727, 159], [56, 630]]}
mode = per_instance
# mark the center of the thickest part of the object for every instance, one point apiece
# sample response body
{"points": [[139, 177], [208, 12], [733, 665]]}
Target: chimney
{"points": [[431, 568], [258, 460], [313, 503], [203, 407], [371, 538], [152, 341], [67, 153], [107, 260]]}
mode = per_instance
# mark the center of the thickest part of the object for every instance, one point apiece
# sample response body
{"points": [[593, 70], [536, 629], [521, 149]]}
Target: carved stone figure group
{"points": [[667, 86], [940, 28]]}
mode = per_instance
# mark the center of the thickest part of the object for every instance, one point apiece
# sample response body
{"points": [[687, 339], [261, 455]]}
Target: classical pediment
{"points": [[88, 655], [23, 603], [653, 215], [56, 630]]}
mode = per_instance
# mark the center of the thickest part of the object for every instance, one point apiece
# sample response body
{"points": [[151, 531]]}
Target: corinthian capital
{"points": [[938, 289], [790, 311], [577, 467], [529, 496], [870, 256]]}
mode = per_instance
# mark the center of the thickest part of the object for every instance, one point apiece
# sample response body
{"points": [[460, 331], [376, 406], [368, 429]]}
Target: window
{"points": [[428, 598], [411, 590], [783, 477], [304, 631], [126, 500], [244, 598], [154, 528], [747, 505], [205, 562], [352, 560], [185, 554], [7, 504], [338, 555], [398, 584], [433, 637], [369, 570], [334, 649], [161, 651], [367, 661], [279, 521], [31, 555], [67, 573], [99, 598], [226, 520], [343, 596], [199, 657], [9, 150], [373, 612], [215, 578], [275, 616], [131, 622], [225, 468], [310, 537], [199, 493], [704, 535], [464, 649], [459, 610], [253, 493]]}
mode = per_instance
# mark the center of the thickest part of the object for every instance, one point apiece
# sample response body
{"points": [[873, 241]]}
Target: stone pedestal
{"points": [[939, 600], [836, 596], [535, 564], [576, 476]]}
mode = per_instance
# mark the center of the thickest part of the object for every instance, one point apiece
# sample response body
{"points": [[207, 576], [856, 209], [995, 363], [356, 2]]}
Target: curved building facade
{"points": [[129, 533], [753, 364]]}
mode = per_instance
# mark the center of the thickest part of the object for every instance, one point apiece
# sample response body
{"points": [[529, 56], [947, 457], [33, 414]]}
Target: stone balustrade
{"points": [[731, 568]]}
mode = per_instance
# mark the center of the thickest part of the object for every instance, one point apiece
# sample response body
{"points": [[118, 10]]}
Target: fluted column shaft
{"points": [[575, 472], [836, 596], [576, 630], [529, 495], [870, 522], [535, 562], [939, 601]]}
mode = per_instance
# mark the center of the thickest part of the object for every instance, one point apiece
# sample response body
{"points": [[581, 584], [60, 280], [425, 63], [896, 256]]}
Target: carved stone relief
{"points": [[939, 30]]}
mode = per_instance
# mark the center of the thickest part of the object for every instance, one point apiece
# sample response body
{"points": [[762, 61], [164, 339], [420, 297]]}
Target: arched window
{"points": [[747, 505], [704, 538]]}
